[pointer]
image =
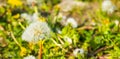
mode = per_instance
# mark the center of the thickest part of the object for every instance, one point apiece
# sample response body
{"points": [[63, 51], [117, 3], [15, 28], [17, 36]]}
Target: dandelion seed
{"points": [[72, 22], [36, 31], [78, 51], [108, 6], [29, 57]]}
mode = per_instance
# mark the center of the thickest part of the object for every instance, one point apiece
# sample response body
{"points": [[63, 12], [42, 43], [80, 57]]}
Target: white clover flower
{"points": [[68, 39], [108, 6], [29, 57], [36, 31], [30, 18], [72, 22], [78, 51]]}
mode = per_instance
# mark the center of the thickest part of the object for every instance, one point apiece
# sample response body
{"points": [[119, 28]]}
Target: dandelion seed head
{"points": [[29, 57], [72, 22], [30, 18], [108, 6], [26, 17], [78, 51], [36, 31]]}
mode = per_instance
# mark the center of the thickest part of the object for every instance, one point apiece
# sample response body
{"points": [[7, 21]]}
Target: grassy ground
{"points": [[93, 33]]}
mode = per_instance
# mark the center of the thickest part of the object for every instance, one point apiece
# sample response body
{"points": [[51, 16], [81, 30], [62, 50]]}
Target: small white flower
{"points": [[116, 22], [29, 57], [30, 18], [72, 22], [78, 51], [68, 39], [36, 31], [108, 6]]}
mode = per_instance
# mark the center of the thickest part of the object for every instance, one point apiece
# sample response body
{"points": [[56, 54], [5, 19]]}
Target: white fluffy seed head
{"points": [[27, 17], [108, 6], [36, 31], [78, 51], [30, 18], [72, 22], [29, 57]]}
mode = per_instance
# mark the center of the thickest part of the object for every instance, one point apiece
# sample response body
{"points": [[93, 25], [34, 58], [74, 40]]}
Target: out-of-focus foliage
{"points": [[59, 29]]}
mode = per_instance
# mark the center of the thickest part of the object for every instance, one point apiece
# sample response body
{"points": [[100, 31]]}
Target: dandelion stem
{"points": [[56, 43], [59, 45], [21, 25], [13, 37], [40, 50], [60, 40]]}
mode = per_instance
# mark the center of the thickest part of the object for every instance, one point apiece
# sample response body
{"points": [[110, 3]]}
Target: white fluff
{"points": [[116, 22], [72, 22], [30, 18], [36, 31], [78, 51], [59, 31], [108, 6], [68, 39], [29, 57]]}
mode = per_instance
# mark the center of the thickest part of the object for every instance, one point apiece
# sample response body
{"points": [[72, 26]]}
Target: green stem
{"points": [[13, 37], [21, 25]]}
